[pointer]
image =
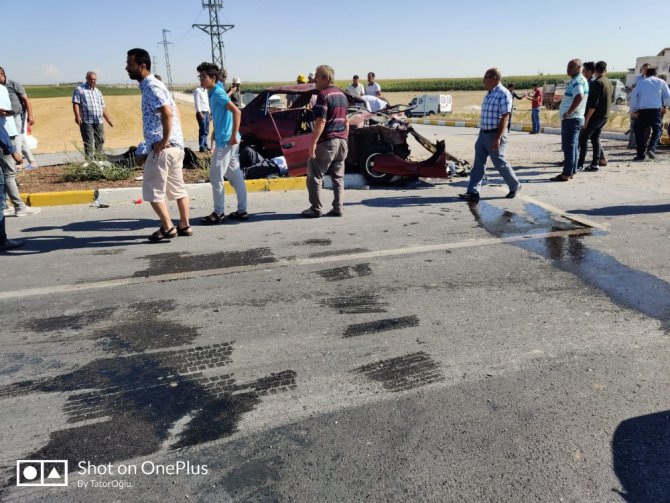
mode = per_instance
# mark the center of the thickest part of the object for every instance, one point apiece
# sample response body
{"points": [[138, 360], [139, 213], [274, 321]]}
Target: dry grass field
{"points": [[57, 132]]}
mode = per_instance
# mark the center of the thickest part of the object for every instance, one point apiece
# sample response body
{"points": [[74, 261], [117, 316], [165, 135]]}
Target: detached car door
{"points": [[294, 129]]}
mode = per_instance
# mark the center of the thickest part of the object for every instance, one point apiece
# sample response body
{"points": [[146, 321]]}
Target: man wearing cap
{"points": [[356, 88], [310, 78], [492, 139], [234, 92], [89, 110], [648, 102]]}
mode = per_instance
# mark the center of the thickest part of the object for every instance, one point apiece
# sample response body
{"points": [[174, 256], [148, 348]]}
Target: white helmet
{"points": [[236, 80]]}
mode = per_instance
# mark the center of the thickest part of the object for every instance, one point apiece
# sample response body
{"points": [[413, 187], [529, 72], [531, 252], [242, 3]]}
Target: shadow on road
{"points": [[640, 448], [115, 232], [632, 209]]}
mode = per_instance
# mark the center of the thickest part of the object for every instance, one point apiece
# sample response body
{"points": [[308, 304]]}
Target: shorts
{"points": [[163, 176]]}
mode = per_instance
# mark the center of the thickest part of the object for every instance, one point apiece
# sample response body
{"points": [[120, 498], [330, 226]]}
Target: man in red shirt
{"points": [[535, 104], [328, 148]]}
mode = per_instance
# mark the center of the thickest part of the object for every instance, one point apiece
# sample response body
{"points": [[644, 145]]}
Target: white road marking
{"points": [[284, 263]]}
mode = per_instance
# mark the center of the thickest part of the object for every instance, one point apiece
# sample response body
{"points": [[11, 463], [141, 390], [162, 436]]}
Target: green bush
{"points": [[95, 170]]}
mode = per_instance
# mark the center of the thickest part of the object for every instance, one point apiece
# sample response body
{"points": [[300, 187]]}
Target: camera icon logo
{"points": [[41, 472]]}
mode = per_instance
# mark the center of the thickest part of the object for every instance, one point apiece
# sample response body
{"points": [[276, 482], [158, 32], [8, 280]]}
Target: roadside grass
{"points": [[98, 168]]}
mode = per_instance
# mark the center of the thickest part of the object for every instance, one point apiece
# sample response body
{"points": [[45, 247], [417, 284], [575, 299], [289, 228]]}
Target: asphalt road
{"points": [[418, 349]]}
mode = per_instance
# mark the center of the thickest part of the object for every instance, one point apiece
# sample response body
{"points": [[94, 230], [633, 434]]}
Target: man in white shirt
{"points": [[373, 88], [374, 104], [356, 88], [203, 117]]}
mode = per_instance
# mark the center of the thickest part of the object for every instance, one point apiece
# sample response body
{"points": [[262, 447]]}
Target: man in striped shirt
{"points": [[89, 110], [492, 139], [328, 148]]}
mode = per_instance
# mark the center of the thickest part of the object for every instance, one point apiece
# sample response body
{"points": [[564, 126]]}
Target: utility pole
{"points": [[168, 75], [154, 64], [215, 30]]}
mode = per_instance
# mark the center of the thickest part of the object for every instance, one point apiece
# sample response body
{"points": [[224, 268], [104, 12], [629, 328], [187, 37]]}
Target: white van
{"points": [[429, 104]]}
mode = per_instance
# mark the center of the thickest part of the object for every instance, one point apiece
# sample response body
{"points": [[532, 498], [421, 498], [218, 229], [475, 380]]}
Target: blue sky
{"points": [[52, 41]]}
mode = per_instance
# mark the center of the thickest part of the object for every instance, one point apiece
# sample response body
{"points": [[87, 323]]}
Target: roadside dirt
{"points": [[50, 179]]}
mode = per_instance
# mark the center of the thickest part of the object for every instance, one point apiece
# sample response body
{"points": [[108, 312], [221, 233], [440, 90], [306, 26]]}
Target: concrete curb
{"points": [[195, 190]]}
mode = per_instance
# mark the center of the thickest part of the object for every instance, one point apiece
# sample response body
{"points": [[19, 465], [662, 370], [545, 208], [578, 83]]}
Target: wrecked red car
{"points": [[279, 121]]}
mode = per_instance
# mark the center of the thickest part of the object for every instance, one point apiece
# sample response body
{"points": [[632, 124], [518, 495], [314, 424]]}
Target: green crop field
{"points": [[65, 90], [391, 85]]}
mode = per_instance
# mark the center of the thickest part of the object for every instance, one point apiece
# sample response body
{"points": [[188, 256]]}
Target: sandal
{"points": [[161, 234], [239, 215], [184, 231], [212, 219]]}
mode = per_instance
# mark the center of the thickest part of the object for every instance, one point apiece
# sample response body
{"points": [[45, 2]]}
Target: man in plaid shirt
{"points": [[492, 139], [89, 110]]}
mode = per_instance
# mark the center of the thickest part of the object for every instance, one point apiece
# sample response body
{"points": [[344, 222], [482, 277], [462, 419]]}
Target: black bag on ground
{"points": [[190, 159], [264, 169]]}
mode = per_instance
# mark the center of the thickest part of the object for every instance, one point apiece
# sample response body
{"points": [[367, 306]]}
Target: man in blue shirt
{"points": [[492, 139], [225, 161], [648, 102], [571, 110], [165, 146]]}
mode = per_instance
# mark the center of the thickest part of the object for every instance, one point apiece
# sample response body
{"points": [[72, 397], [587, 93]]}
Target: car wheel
{"points": [[431, 113], [367, 164]]}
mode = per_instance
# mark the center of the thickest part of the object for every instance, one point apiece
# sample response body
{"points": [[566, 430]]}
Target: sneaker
{"points": [[30, 167], [592, 167], [469, 196], [27, 211], [8, 212], [311, 213], [651, 155], [10, 244], [334, 213], [512, 193], [580, 169]]}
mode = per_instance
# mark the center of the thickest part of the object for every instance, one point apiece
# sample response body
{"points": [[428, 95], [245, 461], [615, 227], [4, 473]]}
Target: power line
{"points": [[215, 30], [168, 73], [154, 64]]}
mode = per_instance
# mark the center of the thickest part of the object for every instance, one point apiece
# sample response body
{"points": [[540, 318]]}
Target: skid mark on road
{"points": [[140, 398], [384, 325], [403, 372], [168, 263], [355, 304], [345, 272]]}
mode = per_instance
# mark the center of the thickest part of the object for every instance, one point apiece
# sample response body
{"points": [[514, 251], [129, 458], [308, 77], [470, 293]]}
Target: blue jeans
{"points": [[203, 130], [648, 118], [482, 152], [570, 143], [535, 117]]}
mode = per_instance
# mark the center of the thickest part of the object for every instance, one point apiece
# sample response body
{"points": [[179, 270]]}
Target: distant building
{"points": [[662, 62]]}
